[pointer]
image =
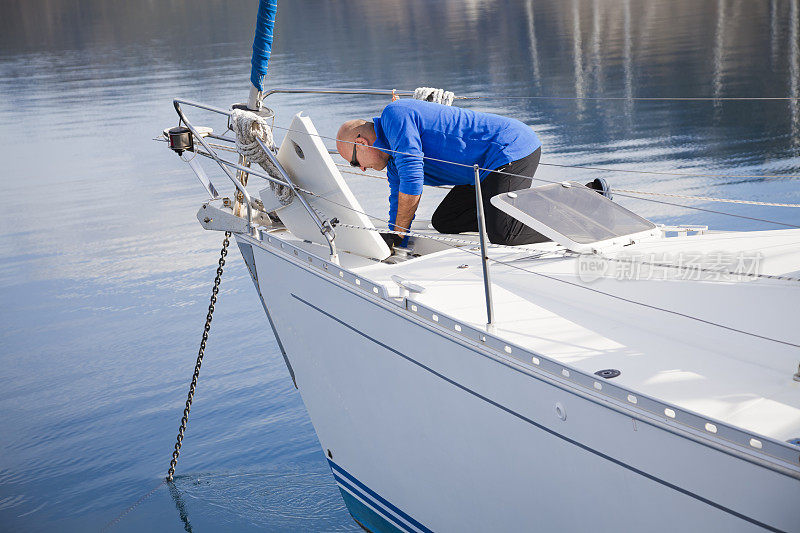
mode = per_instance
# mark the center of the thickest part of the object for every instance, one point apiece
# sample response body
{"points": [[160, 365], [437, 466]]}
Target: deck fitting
{"points": [[608, 373]]}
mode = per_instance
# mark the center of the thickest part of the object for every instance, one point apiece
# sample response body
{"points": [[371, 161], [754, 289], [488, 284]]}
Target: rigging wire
{"points": [[664, 202], [553, 278], [637, 98], [521, 248], [518, 248], [706, 198], [603, 169], [664, 173], [424, 157], [572, 283], [344, 170]]}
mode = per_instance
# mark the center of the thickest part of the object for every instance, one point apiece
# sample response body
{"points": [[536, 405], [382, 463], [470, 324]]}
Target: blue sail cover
{"points": [[262, 44]]}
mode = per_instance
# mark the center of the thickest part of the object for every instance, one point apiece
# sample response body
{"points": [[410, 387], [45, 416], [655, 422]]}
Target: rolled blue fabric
{"points": [[262, 44]]}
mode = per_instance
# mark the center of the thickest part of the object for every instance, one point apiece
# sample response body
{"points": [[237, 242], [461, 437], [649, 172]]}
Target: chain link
{"points": [[200, 353]]}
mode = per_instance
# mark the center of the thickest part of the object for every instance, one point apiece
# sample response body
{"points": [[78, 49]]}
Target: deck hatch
{"points": [[572, 215]]}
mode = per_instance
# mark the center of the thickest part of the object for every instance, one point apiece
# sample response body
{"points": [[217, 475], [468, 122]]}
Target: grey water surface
{"points": [[105, 273]]}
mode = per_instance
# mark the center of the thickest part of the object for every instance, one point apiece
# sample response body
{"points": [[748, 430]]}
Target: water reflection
{"points": [[794, 69], [106, 272], [719, 50], [534, 46], [577, 55], [627, 58], [180, 506]]}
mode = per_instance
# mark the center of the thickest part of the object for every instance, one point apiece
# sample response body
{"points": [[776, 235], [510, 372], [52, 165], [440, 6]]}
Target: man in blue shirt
{"points": [[418, 142]]}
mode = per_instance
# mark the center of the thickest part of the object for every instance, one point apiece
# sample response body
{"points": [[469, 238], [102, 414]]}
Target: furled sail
{"points": [[262, 44]]}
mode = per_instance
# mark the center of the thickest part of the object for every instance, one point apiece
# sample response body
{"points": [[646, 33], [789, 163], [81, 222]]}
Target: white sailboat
{"points": [[624, 376]]}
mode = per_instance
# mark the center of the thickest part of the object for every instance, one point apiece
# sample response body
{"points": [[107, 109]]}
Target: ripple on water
{"points": [[105, 273]]}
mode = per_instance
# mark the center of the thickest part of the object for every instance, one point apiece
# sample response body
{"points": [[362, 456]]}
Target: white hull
{"points": [[445, 435]]}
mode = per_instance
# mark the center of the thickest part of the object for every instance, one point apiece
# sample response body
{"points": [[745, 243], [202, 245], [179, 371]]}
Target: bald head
{"points": [[350, 130], [362, 133]]}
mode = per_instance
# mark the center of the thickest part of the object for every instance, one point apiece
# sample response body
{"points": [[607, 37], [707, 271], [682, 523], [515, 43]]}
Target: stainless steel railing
{"points": [[211, 152], [324, 226], [328, 90]]}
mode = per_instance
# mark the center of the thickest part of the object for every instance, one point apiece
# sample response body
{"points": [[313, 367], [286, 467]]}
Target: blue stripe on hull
{"points": [[366, 517], [392, 516]]}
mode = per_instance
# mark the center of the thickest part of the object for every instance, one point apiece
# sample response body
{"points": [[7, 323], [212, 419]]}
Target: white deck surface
{"points": [[731, 376]]}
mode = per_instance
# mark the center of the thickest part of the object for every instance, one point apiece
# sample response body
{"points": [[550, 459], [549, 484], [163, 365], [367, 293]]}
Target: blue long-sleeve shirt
{"points": [[415, 128]]}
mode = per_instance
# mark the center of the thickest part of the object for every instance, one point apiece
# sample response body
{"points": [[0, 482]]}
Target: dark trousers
{"points": [[457, 212]]}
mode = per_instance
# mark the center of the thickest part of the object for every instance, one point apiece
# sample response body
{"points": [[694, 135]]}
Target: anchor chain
{"points": [[200, 353]]}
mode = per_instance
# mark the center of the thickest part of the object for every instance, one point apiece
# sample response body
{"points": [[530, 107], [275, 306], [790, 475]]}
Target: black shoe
{"points": [[601, 186]]}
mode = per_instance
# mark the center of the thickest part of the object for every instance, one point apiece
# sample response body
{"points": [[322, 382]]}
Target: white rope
{"points": [[432, 94], [707, 198], [248, 127]]}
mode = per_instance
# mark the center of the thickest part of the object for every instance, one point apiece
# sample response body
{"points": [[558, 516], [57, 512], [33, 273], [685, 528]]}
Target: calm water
{"points": [[105, 273]]}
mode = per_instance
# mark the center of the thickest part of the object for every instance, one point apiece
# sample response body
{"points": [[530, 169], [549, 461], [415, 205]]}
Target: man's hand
{"points": [[391, 239]]}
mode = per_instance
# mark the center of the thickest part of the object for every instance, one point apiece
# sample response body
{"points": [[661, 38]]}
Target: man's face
{"points": [[365, 155]]}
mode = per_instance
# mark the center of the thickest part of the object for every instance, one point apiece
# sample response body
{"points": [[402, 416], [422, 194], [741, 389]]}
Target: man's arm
{"points": [[406, 207], [406, 173]]}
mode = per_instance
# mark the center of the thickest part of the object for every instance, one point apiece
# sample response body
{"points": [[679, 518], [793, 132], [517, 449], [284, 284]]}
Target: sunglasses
{"points": [[353, 160]]}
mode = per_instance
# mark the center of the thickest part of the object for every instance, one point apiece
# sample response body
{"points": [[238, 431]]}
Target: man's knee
{"points": [[436, 221], [443, 222], [498, 234]]}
